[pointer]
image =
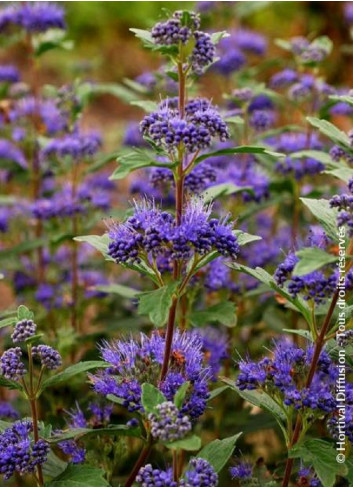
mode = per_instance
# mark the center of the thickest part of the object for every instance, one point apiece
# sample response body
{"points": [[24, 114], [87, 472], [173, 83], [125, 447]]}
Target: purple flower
{"points": [[23, 330], [230, 60], [134, 362], [18, 453], [7, 411], [250, 41], [281, 377], [8, 151], [242, 471], [167, 423], [76, 145], [33, 16], [344, 204], [203, 53], [132, 136], [49, 357], [284, 78], [174, 30], [77, 454], [261, 120], [46, 110], [9, 73], [155, 231], [215, 346], [200, 474], [201, 124], [348, 12], [150, 477], [11, 364]]}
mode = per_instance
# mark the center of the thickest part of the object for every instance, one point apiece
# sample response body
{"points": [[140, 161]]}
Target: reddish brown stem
{"points": [[179, 203], [320, 342], [33, 404], [139, 463], [74, 257]]}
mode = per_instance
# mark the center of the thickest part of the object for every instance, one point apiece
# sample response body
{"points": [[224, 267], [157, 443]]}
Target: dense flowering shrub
{"points": [[216, 277]]}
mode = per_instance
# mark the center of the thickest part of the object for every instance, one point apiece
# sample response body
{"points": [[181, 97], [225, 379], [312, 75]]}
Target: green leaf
{"points": [[238, 150], [10, 384], [53, 466], [223, 189], [4, 425], [100, 243], [217, 36], [144, 35], [345, 174], [321, 156], [300, 332], [263, 401], [218, 452], [122, 290], [90, 90], [190, 444], [80, 476], [348, 99], [223, 313], [83, 432], [97, 165], [312, 259], [264, 277], [72, 371], [245, 238], [24, 313], [147, 105], [135, 160], [180, 394], [7, 322], [331, 131], [321, 209], [156, 304], [22, 248], [321, 455], [216, 392], [52, 39], [151, 397]]}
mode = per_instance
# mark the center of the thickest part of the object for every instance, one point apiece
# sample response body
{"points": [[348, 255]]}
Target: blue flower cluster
{"points": [[23, 330], [215, 347], [9, 74], [182, 28], [317, 285], [234, 50], [150, 477], [8, 411], [199, 474], [308, 478], [32, 16], [242, 471], [281, 376], [344, 204], [49, 358], [133, 362], [168, 129], [167, 424], [155, 231], [298, 167], [100, 416], [11, 364], [17, 451], [77, 145]]}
